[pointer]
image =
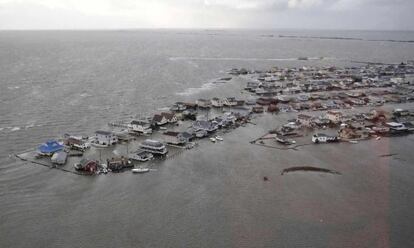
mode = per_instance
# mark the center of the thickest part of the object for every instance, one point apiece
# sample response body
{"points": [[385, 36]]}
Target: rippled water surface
{"points": [[55, 82]]}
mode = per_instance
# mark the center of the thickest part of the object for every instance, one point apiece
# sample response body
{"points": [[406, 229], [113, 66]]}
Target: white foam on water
{"points": [[30, 125], [13, 87], [14, 129], [193, 91], [85, 95]]}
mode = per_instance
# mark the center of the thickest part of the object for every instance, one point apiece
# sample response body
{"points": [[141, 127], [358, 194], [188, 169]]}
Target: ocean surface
{"points": [[56, 82]]}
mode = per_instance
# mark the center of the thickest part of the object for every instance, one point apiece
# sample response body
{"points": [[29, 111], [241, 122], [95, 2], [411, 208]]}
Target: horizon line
{"points": [[206, 29]]}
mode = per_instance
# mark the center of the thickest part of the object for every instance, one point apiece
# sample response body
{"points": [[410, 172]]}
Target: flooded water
{"points": [[55, 82]]}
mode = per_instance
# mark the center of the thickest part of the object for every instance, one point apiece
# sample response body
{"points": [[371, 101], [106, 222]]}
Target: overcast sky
{"points": [[261, 14]]}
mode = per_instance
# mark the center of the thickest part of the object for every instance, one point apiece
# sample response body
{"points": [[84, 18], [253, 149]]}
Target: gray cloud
{"points": [[317, 14]]}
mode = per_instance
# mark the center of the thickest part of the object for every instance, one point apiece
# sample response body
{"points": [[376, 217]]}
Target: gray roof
{"points": [[100, 132]]}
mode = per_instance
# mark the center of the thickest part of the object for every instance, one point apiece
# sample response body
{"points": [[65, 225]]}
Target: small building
{"points": [[176, 138], [304, 120], [178, 106], [400, 112], [87, 165], [203, 103], [204, 125], [140, 126], [266, 101], [159, 120], [217, 102], [252, 86], [59, 158], [284, 98], [105, 138], [258, 109], [50, 147], [170, 117], [190, 105], [76, 143], [153, 146], [230, 102], [334, 116], [118, 164]]}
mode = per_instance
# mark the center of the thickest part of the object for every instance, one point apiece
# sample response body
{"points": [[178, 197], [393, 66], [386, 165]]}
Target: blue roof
{"points": [[50, 146]]}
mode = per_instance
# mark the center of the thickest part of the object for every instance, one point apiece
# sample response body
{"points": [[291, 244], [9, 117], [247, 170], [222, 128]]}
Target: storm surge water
{"points": [[56, 82]]}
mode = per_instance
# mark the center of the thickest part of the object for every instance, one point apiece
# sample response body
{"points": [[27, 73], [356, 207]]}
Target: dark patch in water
{"points": [[388, 155], [309, 168]]}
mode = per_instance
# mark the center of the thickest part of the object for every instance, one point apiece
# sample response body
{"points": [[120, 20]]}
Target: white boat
{"points": [[378, 138], [213, 140], [140, 170], [219, 138], [163, 128], [353, 142]]}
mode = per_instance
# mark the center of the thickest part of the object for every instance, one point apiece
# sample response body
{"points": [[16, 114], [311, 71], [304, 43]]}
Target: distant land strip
{"points": [[341, 38]]}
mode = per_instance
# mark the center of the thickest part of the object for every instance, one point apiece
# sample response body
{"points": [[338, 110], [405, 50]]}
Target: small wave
{"points": [[14, 129], [32, 125], [193, 91], [85, 95], [13, 87]]}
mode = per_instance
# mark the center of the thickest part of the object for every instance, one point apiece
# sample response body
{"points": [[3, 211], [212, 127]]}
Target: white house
{"points": [[217, 102], [140, 127], [105, 138]]}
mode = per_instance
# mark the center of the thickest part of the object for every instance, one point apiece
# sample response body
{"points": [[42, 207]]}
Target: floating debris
{"points": [[309, 168], [388, 155]]}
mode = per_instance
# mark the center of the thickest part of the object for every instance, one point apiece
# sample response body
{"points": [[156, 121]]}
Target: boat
{"points": [[140, 170], [213, 140], [163, 128], [219, 138], [353, 141], [378, 138], [141, 156], [153, 146]]}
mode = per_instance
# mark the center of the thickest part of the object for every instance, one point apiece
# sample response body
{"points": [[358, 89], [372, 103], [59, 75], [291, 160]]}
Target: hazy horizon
{"points": [[376, 15]]}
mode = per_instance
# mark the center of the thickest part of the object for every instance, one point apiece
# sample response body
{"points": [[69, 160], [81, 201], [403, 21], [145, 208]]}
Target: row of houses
{"points": [[203, 128], [295, 81]]}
